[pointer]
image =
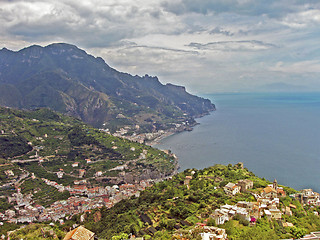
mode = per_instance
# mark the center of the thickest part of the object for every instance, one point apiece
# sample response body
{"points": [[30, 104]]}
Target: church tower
{"points": [[275, 184]]}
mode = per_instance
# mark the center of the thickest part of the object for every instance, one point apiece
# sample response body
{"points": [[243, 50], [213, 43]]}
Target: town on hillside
{"points": [[83, 199]]}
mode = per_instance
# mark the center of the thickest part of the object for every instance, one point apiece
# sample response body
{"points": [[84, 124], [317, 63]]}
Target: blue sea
{"points": [[275, 135]]}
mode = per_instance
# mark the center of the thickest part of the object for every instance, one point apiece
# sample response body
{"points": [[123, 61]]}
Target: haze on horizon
{"points": [[206, 45]]}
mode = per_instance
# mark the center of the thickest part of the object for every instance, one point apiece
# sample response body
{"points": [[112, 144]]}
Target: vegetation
{"points": [[37, 232], [43, 194], [172, 205], [44, 143], [13, 145], [171, 209]]}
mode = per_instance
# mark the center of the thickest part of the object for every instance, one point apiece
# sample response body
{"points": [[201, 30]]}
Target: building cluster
{"points": [[308, 197], [83, 199], [130, 132], [73, 205], [140, 138], [240, 186], [213, 233], [267, 203], [24, 209]]}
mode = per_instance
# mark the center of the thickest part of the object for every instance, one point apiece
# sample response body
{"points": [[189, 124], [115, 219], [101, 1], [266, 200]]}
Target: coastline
{"points": [[155, 141], [169, 133], [261, 130], [174, 131]]}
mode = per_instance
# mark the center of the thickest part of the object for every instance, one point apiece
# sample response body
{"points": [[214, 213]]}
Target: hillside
{"points": [[174, 207], [195, 199], [43, 144], [66, 79]]}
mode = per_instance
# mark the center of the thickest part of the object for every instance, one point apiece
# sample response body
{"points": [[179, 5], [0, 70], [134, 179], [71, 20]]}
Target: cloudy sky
{"points": [[205, 45]]}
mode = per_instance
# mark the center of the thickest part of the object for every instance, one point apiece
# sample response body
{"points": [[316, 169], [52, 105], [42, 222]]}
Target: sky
{"points": [[206, 45]]}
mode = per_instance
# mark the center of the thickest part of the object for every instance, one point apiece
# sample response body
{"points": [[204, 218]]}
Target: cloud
{"points": [[271, 8], [301, 67], [252, 45], [99, 23], [218, 30], [207, 45], [303, 19]]}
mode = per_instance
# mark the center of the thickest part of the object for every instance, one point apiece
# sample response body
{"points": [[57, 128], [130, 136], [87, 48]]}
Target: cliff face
{"points": [[67, 79]]}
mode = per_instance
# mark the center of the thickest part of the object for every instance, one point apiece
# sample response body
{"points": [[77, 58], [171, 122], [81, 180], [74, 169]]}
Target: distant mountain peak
{"points": [[64, 46], [65, 78]]}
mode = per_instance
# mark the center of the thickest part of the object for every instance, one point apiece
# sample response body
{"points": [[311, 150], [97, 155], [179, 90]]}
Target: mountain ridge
{"points": [[67, 79]]}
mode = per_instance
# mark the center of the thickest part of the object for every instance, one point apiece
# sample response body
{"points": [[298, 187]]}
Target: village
{"points": [[267, 204], [82, 199], [150, 138]]}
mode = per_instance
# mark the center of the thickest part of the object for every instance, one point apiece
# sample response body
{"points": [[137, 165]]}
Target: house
{"points": [[287, 224], [213, 233], [10, 213], [82, 172], [312, 235], [75, 164], [80, 188], [79, 233], [281, 192], [307, 192], [60, 174], [219, 216], [187, 180], [275, 214], [231, 189], [9, 173], [267, 213], [288, 211], [245, 184], [269, 192]]}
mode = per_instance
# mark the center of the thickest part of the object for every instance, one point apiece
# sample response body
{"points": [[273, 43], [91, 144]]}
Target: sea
{"points": [[275, 135]]}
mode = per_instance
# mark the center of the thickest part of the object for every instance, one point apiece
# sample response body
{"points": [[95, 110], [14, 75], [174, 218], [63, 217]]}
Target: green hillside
{"points": [[173, 208], [176, 208], [43, 143]]}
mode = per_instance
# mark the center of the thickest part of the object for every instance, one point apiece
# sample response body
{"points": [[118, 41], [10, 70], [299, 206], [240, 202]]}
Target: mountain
{"points": [[67, 79]]}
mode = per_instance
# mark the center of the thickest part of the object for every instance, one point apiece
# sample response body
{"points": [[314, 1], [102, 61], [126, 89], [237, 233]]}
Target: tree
{"points": [[211, 222], [298, 232], [122, 236]]}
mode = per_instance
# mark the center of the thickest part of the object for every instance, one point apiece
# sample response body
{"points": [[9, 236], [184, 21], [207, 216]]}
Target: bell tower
{"points": [[275, 184]]}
